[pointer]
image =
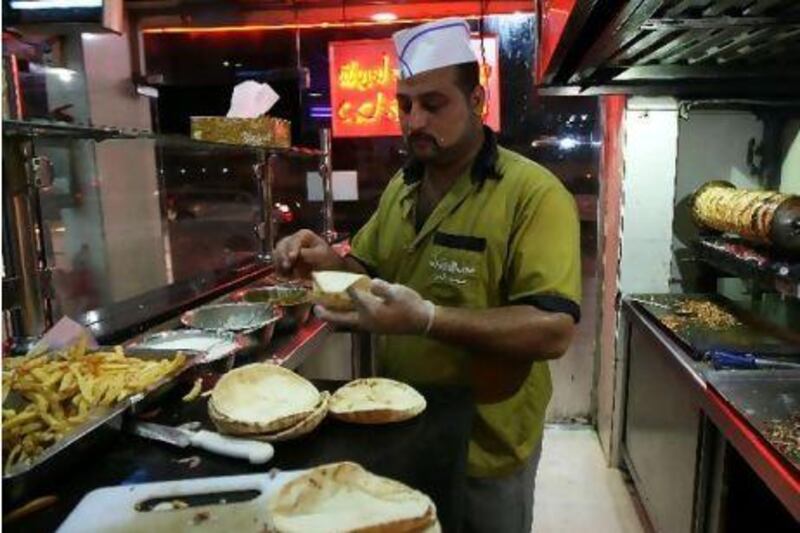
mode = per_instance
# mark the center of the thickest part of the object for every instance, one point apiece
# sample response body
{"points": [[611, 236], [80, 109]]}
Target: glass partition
{"points": [[125, 217], [135, 223]]}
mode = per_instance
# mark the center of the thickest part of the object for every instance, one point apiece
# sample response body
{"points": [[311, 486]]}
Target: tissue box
{"points": [[260, 131]]}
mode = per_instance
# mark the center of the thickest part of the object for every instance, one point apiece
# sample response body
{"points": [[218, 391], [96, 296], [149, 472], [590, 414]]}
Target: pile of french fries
{"points": [[60, 390]]}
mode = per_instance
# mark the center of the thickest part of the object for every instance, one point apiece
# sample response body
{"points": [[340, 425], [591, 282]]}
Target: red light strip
{"points": [[267, 27], [307, 26]]}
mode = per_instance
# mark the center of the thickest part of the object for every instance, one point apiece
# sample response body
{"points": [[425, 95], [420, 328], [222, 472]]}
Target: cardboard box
{"points": [[260, 131]]}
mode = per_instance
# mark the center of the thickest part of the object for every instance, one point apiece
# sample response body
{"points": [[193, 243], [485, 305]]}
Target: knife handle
{"points": [[254, 451], [729, 359]]}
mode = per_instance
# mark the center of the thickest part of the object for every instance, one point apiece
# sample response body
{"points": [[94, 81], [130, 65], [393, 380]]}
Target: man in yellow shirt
{"points": [[475, 256]]}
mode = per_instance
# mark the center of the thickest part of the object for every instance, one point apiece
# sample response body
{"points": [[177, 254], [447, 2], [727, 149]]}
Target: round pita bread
{"points": [[376, 401], [261, 398], [305, 426], [344, 497]]}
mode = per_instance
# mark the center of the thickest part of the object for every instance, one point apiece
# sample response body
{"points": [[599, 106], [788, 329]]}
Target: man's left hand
{"points": [[386, 309]]}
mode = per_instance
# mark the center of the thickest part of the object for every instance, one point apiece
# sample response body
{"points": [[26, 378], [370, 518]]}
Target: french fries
{"points": [[61, 390], [195, 391]]}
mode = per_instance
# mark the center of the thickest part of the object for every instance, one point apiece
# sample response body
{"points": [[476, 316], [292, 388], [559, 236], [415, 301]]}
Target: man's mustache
{"points": [[414, 137]]}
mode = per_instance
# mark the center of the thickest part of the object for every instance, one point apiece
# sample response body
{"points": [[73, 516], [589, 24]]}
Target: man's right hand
{"points": [[302, 252]]}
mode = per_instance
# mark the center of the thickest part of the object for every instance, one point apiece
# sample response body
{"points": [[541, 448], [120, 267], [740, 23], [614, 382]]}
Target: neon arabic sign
{"points": [[364, 80]]}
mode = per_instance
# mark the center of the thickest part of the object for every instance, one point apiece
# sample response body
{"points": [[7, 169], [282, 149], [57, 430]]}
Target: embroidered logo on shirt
{"points": [[450, 271]]}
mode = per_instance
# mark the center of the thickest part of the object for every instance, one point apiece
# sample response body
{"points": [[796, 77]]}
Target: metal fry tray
{"points": [[20, 479]]}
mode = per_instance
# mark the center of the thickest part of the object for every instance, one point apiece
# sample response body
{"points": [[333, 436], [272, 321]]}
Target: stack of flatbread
{"points": [[344, 497], [266, 402], [376, 401]]}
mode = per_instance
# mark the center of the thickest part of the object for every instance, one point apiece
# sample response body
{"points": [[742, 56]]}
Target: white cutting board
{"points": [[113, 509]]}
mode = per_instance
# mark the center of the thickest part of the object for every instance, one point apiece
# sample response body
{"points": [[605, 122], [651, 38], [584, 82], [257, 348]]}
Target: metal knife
{"points": [[254, 451]]}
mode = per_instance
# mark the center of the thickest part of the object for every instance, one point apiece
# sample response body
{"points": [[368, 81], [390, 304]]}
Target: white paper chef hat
{"points": [[433, 45]]}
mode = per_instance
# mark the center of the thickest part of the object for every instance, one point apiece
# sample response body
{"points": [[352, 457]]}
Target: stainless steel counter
{"points": [[669, 394], [662, 425], [689, 367], [739, 405]]}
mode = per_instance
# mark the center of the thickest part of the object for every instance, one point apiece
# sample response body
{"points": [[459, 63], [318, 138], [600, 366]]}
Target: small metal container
{"points": [[254, 320], [218, 349], [294, 300]]}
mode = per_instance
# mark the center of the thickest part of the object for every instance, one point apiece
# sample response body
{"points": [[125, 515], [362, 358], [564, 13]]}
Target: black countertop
{"points": [[427, 453]]}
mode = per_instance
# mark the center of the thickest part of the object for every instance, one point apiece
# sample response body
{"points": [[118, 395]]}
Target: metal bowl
{"points": [[218, 349], [294, 300], [255, 320]]}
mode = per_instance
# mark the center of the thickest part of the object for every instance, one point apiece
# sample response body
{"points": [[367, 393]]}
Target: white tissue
{"points": [[252, 99], [65, 332]]}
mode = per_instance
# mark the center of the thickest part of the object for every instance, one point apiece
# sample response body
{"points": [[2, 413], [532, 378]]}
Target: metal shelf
{"points": [[42, 129], [738, 259], [19, 167]]}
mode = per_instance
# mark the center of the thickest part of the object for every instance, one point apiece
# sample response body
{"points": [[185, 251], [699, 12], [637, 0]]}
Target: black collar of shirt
{"points": [[482, 168]]}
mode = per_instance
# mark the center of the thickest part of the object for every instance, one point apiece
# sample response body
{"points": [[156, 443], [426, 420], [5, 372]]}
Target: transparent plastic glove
{"points": [[386, 309]]}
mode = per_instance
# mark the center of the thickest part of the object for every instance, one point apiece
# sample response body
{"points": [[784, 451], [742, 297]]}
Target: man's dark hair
{"points": [[467, 77]]}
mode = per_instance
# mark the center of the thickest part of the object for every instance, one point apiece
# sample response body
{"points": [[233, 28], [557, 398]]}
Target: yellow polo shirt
{"points": [[507, 233]]}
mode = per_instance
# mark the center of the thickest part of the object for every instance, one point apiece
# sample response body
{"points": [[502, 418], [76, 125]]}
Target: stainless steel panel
{"points": [[720, 6], [652, 42], [761, 396], [711, 484], [661, 431]]}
